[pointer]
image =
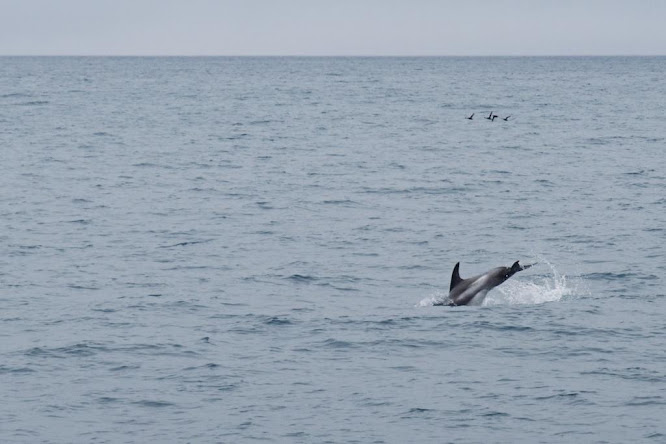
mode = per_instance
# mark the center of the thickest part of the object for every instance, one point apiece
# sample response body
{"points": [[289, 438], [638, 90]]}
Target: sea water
{"points": [[248, 249]]}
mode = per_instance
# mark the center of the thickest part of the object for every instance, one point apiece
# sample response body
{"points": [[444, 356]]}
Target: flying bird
{"points": [[506, 119], [470, 117]]}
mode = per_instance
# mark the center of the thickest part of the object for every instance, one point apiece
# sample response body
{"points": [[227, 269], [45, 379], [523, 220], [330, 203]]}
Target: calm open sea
{"points": [[224, 250]]}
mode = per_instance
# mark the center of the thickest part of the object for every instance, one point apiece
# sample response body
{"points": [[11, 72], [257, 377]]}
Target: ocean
{"points": [[240, 249]]}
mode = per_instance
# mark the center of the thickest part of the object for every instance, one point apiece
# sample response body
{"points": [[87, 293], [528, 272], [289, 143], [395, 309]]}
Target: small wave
{"points": [[12, 95], [209, 366], [337, 344], [81, 287], [153, 404], [151, 165], [417, 410], [265, 205], [494, 413], [341, 202], [646, 401], [631, 374], [558, 396], [4, 370], [608, 276], [77, 350], [104, 310], [236, 136], [186, 243], [123, 368], [301, 278], [277, 321], [29, 247], [34, 103]]}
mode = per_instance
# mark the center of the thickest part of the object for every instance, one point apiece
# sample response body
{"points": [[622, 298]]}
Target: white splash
{"points": [[436, 299], [537, 290]]}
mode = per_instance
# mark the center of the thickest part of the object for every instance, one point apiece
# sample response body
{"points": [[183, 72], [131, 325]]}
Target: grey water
{"points": [[241, 249]]}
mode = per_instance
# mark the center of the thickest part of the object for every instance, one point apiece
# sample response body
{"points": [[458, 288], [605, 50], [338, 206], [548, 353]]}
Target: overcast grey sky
{"points": [[332, 27]]}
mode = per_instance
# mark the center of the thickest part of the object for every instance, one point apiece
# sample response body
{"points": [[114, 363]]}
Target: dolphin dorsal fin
{"points": [[455, 277]]}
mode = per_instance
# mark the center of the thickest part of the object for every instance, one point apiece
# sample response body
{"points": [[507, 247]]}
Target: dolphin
{"points": [[472, 291]]}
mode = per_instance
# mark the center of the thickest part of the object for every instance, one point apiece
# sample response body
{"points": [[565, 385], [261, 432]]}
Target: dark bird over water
{"points": [[506, 119], [470, 117], [493, 119], [490, 116]]}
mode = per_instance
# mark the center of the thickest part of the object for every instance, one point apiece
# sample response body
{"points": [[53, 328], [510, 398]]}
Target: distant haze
{"points": [[340, 27]]}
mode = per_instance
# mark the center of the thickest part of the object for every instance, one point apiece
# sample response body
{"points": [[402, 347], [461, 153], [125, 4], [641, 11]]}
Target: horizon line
{"points": [[334, 55]]}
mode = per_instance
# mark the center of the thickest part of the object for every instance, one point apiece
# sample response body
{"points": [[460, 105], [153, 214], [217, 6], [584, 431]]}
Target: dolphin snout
{"points": [[525, 267]]}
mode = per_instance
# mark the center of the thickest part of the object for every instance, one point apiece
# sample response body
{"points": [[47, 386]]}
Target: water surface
{"points": [[239, 249]]}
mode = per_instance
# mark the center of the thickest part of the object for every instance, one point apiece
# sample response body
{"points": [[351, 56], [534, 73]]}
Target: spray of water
{"points": [[437, 298], [550, 287]]}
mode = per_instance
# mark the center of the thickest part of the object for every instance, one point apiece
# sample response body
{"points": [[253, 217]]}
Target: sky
{"points": [[333, 27]]}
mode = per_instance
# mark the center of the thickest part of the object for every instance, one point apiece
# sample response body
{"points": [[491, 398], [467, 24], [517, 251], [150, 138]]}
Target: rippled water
{"points": [[239, 249]]}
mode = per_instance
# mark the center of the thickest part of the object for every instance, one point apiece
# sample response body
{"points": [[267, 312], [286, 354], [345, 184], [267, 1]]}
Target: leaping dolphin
{"points": [[472, 291]]}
